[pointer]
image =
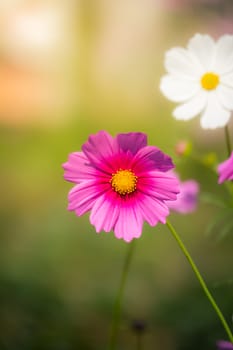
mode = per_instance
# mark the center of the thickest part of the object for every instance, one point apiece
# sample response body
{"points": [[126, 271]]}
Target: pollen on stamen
{"points": [[209, 81], [124, 181]]}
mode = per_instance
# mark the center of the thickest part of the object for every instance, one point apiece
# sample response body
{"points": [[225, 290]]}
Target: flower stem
{"points": [[201, 281], [139, 341], [118, 301], [228, 141]]}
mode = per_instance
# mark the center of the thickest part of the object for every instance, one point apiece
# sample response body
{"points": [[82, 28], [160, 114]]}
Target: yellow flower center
{"points": [[209, 81], [124, 181]]}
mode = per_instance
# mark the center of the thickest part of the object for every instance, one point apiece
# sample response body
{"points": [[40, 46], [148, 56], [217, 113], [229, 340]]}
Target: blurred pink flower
{"points": [[122, 181], [225, 170], [187, 198], [183, 148], [224, 345]]}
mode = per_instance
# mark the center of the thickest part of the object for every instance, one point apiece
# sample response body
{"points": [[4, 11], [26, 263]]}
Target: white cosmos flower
{"points": [[200, 78]]}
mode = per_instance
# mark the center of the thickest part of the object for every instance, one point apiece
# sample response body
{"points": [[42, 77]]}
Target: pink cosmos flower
{"points": [[122, 182], [225, 170], [186, 201], [224, 345]]}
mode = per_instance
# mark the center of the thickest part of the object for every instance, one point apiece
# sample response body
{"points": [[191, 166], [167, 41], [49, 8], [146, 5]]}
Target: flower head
{"points": [[225, 170], [122, 182], [200, 78], [186, 201], [224, 345]]}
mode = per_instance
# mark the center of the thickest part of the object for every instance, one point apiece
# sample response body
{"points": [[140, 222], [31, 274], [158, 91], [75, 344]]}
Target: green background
{"points": [[58, 278]]}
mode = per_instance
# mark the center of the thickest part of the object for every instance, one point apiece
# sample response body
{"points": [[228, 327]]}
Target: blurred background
{"points": [[68, 69]]}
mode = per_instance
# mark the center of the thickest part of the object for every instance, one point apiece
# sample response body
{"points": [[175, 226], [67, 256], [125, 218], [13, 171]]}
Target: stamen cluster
{"points": [[124, 181]]}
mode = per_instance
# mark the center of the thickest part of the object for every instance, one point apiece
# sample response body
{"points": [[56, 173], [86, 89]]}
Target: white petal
{"points": [[191, 108], [203, 47], [224, 54], [225, 96], [214, 116], [178, 90], [181, 63], [227, 79]]}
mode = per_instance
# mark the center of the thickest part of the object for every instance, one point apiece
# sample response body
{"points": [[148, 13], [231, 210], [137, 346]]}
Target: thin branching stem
{"points": [[118, 301], [201, 280], [228, 141]]}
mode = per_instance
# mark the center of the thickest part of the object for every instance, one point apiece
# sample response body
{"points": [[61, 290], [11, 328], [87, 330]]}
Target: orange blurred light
{"points": [[23, 95]]}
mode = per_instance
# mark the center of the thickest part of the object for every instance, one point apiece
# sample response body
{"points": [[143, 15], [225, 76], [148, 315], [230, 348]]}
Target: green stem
{"points": [[139, 341], [118, 301], [201, 281], [228, 141]]}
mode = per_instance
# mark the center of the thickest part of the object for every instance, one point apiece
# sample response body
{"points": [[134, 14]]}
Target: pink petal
{"points": [[99, 149], [129, 223], [225, 170], [78, 168], [187, 198], [159, 185], [111, 212], [151, 158], [132, 141], [84, 195], [105, 212], [224, 345], [152, 210], [121, 161]]}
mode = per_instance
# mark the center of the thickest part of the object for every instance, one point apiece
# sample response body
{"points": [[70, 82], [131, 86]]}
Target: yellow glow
{"points": [[209, 81], [124, 181]]}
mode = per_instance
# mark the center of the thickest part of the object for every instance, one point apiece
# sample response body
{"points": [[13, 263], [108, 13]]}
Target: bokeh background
{"points": [[68, 69]]}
